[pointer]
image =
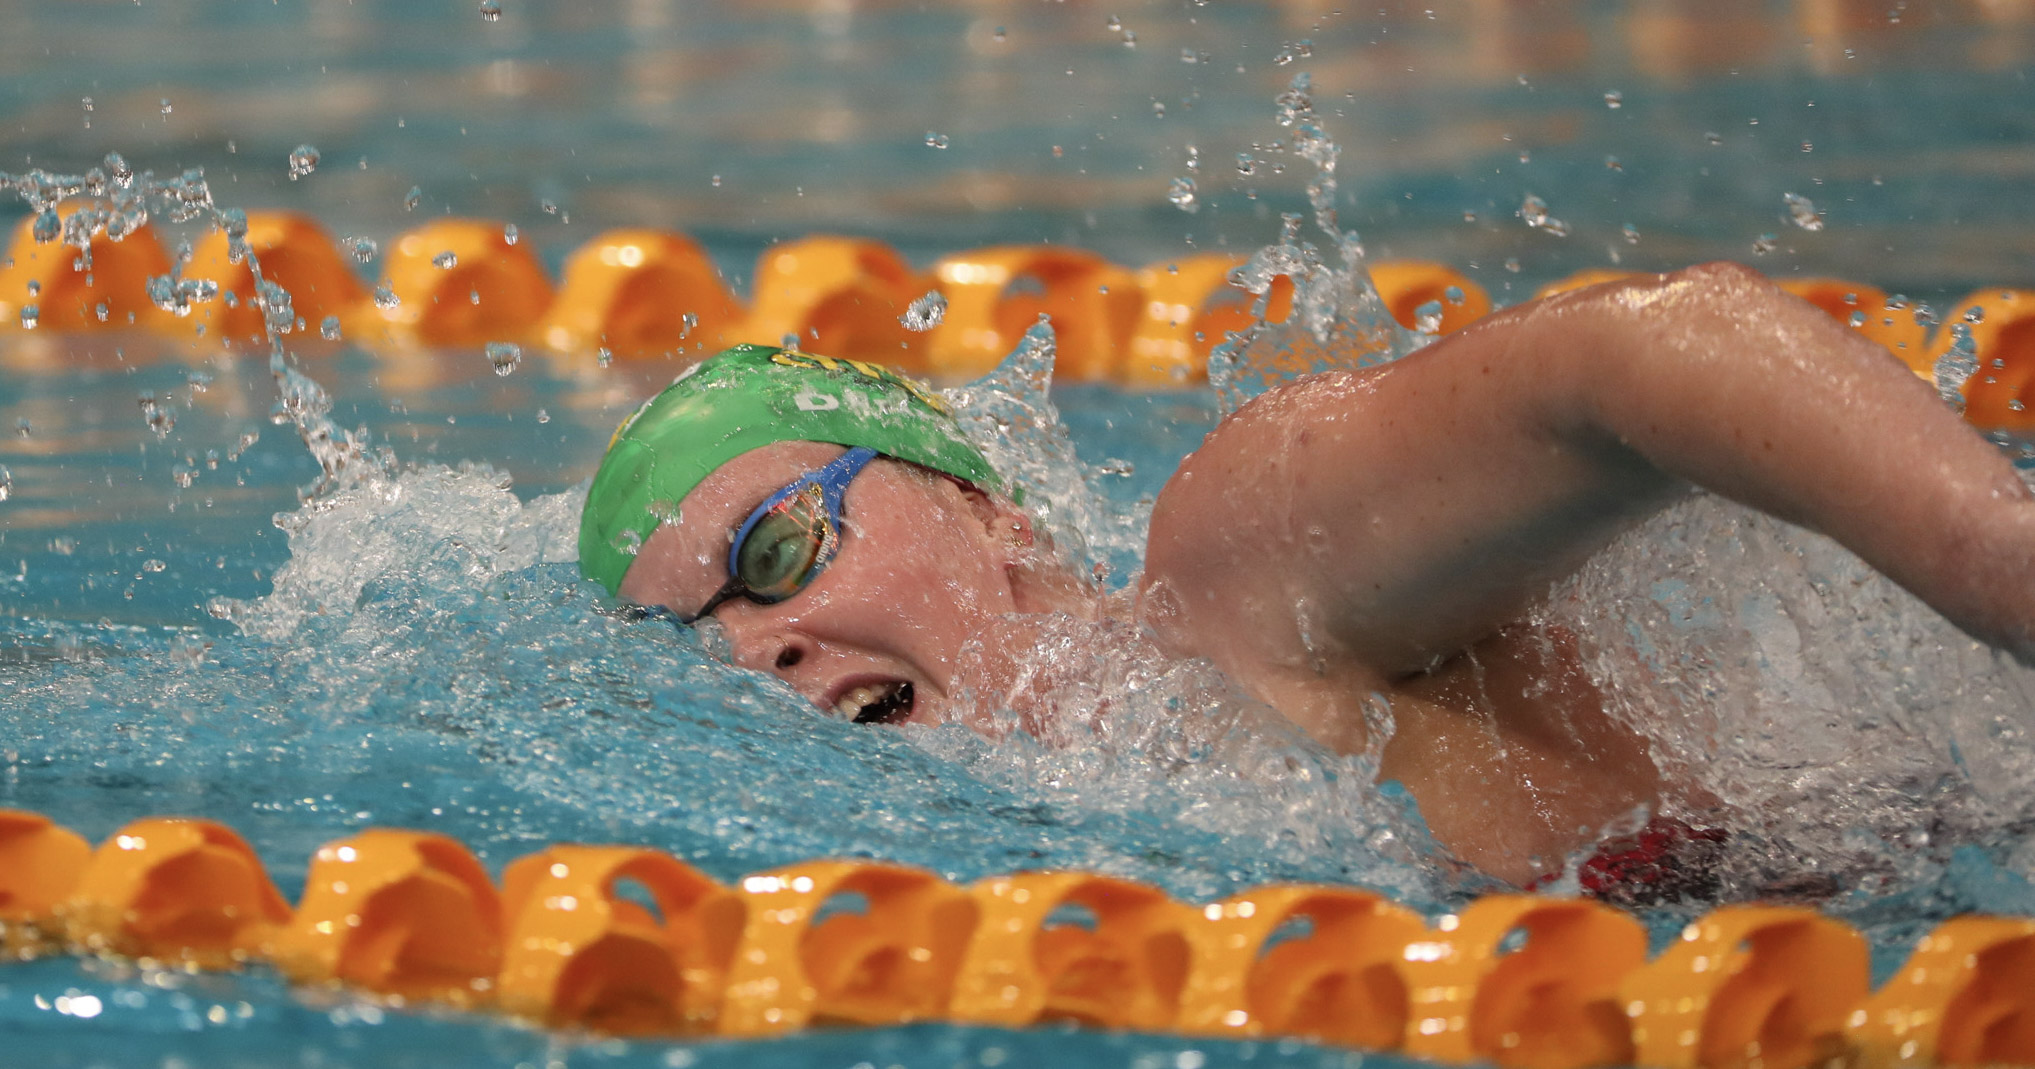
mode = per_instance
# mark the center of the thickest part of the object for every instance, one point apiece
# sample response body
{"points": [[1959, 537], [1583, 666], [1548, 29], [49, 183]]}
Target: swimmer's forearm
{"points": [[1715, 376]]}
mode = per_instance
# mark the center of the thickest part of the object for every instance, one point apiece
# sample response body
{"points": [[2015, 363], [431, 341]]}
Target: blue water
{"points": [[418, 653]]}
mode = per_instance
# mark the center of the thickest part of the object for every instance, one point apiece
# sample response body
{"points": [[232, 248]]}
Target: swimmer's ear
{"points": [[1009, 526]]}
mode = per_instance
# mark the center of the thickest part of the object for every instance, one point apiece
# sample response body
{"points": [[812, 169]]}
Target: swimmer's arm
{"points": [[1390, 518]]}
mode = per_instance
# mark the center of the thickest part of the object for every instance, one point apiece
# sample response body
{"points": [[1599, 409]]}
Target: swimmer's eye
{"points": [[786, 546]]}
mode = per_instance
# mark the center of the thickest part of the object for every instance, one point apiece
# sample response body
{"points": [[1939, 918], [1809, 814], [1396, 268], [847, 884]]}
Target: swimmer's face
{"points": [[924, 565]]}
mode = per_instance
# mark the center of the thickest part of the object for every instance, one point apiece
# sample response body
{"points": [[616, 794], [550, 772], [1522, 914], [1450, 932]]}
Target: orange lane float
{"points": [[579, 953], [1868, 310], [888, 956], [1526, 982], [1071, 946], [1324, 963], [48, 285], [178, 890], [456, 282], [294, 252], [2001, 395], [639, 293], [1587, 277], [1429, 297], [628, 940], [39, 864], [1190, 307], [1775, 985], [995, 295], [1965, 997], [403, 913], [846, 297]]}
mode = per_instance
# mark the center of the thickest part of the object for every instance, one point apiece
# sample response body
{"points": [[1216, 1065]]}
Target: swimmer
{"points": [[1352, 534]]}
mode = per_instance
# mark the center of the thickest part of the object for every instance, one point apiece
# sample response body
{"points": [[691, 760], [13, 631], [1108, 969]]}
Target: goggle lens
{"points": [[786, 546]]}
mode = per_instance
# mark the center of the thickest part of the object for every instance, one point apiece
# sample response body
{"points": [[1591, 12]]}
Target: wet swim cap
{"points": [[745, 398]]}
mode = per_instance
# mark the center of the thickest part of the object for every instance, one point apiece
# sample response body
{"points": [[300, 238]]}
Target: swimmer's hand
{"points": [[1370, 524]]}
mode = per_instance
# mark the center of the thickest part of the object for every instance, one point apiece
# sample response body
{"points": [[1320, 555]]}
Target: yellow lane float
{"points": [[1429, 297], [1999, 395], [628, 940], [846, 297], [639, 293], [295, 253]]}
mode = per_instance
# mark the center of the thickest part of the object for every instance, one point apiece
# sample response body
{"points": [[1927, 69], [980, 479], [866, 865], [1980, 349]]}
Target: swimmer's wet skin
{"points": [[1385, 531]]}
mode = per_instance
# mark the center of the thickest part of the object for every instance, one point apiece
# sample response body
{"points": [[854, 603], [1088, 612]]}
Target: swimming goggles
{"points": [[787, 541]]}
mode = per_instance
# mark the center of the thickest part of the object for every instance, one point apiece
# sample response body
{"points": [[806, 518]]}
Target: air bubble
{"points": [[543, 416], [385, 297], [6, 483], [1427, 318], [445, 261], [1247, 165], [1631, 234], [1614, 99], [505, 356], [303, 161], [510, 234], [152, 565], [1713, 137], [935, 139], [926, 312], [363, 249], [1182, 195], [413, 198], [48, 226], [1765, 243], [491, 10], [30, 316], [329, 328]]}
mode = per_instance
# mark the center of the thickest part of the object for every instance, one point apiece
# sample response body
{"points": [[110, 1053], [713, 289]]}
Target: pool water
{"points": [[180, 635]]}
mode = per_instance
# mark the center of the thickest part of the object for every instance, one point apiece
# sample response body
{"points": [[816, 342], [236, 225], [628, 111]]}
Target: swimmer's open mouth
{"points": [[877, 703]]}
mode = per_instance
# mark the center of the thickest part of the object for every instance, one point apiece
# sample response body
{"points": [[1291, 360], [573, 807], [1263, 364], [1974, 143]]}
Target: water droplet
{"points": [[385, 296], [1808, 146], [926, 312], [329, 328], [1427, 318], [1713, 137], [1130, 40], [716, 182], [510, 234], [687, 321], [303, 160], [628, 543], [48, 226], [445, 261], [1247, 165], [505, 356], [1858, 318], [1803, 211], [1158, 109], [604, 356], [1000, 35], [364, 249], [1975, 314], [152, 565], [23, 427], [30, 315], [1631, 234], [1614, 99], [549, 207], [166, 108], [1534, 211], [1612, 163], [1512, 264], [1183, 196], [1765, 243], [543, 416], [6, 483], [1469, 215], [491, 10], [413, 198], [935, 139]]}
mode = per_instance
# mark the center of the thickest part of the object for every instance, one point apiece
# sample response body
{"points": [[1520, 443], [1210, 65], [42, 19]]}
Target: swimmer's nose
{"points": [[770, 649]]}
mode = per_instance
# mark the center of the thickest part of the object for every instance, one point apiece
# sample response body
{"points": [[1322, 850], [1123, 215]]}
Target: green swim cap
{"points": [[745, 398]]}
